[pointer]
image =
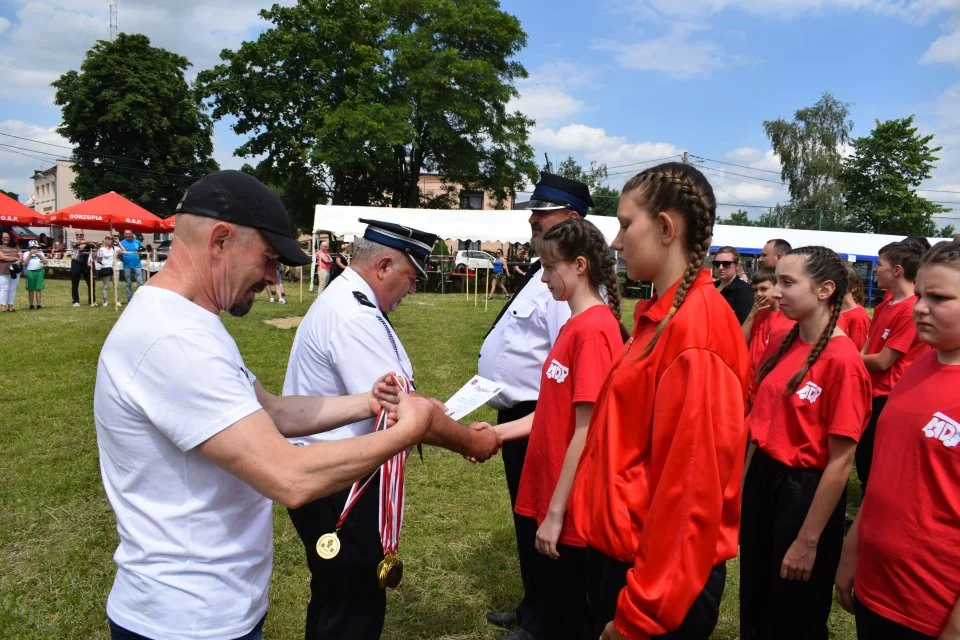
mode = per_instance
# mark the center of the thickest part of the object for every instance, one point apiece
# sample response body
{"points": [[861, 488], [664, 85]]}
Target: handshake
{"points": [[426, 421]]}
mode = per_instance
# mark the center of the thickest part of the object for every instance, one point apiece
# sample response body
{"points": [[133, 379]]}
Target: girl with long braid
{"points": [[810, 404], [657, 493], [577, 264]]}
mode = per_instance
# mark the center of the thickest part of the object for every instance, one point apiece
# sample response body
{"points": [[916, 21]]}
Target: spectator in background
{"points": [[129, 251], [774, 250], [80, 272], [43, 242], [737, 293], [59, 247], [33, 263], [324, 262], [498, 276], [276, 291], [105, 264], [9, 271], [340, 262], [522, 264]]}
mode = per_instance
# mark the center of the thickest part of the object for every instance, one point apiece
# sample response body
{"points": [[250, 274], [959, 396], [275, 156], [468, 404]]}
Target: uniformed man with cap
{"points": [[346, 342], [513, 354]]}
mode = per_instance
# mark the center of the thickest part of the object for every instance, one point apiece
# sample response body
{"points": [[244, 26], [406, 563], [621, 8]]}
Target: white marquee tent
{"points": [[512, 226]]}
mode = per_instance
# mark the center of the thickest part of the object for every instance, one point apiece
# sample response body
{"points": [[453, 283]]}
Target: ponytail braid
{"points": [[576, 237], [681, 188], [821, 265]]}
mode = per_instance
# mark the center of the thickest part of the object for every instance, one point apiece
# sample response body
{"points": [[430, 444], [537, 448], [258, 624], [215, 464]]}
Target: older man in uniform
{"points": [[346, 342], [192, 447], [513, 354]]}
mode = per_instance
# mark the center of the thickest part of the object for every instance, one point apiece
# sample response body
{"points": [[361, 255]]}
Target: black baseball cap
{"points": [[237, 197]]}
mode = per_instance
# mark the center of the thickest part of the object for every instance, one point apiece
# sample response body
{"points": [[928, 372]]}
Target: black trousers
{"points": [[864, 454], [346, 600], [606, 577], [79, 273], [555, 596], [776, 499], [514, 452], [873, 626]]}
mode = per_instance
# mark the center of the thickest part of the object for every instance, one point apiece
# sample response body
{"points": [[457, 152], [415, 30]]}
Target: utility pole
{"points": [[548, 168], [686, 157], [113, 19]]}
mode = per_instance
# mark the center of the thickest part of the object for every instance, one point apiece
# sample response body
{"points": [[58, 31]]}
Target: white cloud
{"points": [[945, 49], [681, 53], [547, 94]]}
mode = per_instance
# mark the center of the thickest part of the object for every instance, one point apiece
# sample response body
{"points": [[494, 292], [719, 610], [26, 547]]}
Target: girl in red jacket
{"points": [[656, 498], [810, 405], [900, 571], [576, 264]]}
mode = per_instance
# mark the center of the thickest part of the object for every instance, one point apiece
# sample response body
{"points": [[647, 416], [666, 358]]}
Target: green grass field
{"points": [[58, 534]]}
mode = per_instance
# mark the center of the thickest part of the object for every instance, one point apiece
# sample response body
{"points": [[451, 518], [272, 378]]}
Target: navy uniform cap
{"points": [[418, 245], [556, 192]]}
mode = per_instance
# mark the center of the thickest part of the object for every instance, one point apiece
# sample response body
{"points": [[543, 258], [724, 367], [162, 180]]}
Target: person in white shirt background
{"points": [[193, 449], [105, 264], [513, 354]]}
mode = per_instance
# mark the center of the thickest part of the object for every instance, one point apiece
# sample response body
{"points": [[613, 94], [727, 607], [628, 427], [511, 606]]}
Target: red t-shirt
{"points": [[573, 372], [908, 568], [856, 324], [893, 327], [832, 399], [768, 324]]}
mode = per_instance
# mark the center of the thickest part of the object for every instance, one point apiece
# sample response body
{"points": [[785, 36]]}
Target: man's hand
{"points": [[485, 444], [386, 394], [548, 534], [417, 413]]}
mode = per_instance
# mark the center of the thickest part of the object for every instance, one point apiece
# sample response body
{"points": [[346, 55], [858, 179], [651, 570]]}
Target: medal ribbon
{"points": [[358, 488], [392, 493]]}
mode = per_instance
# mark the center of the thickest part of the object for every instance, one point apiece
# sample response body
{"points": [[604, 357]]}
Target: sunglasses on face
{"points": [[726, 264]]}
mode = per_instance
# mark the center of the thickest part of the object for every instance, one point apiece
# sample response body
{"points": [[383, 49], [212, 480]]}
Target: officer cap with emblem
{"points": [[555, 192], [418, 245]]}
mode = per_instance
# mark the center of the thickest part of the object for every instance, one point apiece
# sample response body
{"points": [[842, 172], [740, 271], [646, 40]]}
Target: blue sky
{"points": [[617, 81]]}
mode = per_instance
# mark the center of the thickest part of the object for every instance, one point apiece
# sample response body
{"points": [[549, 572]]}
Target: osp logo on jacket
{"points": [[557, 371], [943, 428]]}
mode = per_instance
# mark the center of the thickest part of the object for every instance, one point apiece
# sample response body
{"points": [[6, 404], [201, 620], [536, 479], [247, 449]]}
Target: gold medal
{"points": [[390, 571], [328, 546]]}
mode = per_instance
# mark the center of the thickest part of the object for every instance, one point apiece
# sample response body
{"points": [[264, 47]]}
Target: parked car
{"points": [[21, 235], [472, 260]]}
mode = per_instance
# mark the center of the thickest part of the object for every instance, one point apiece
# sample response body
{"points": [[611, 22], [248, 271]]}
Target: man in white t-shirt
{"points": [[193, 449]]}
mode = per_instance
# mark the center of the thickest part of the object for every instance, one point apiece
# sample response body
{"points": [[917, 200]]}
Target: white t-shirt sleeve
{"points": [[191, 387], [361, 352]]}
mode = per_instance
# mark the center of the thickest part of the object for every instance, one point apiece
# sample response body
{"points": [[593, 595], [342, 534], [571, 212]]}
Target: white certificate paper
{"points": [[472, 396]]}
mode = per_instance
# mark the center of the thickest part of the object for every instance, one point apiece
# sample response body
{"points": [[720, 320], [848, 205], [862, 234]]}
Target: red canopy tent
{"points": [[169, 224], [109, 211], [12, 212]]}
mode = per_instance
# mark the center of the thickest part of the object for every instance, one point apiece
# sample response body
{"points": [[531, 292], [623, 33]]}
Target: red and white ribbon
{"points": [[391, 485]]}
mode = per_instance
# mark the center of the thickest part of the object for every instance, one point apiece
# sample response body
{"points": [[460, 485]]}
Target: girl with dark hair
{"points": [[656, 497], [498, 276], [810, 405], [578, 268], [854, 319], [900, 572]]}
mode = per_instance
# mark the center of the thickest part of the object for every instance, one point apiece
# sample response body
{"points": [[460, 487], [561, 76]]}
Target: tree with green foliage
{"points": [[739, 218], [810, 149], [137, 127], [948, 231], [881, 177], [357, 98], [605, 201], [11, 194]]}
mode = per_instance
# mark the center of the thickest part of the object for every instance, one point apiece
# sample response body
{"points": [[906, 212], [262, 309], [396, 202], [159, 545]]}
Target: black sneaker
{"points": [[32, 307]]}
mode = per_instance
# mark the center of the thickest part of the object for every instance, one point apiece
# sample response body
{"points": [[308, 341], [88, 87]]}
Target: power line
{"points": [[50, 157]]}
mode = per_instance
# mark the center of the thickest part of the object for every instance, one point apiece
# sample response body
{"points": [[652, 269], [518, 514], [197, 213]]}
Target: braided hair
{"points": [[575, 237], [945, 253], [678, 187], [821, 264]]}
